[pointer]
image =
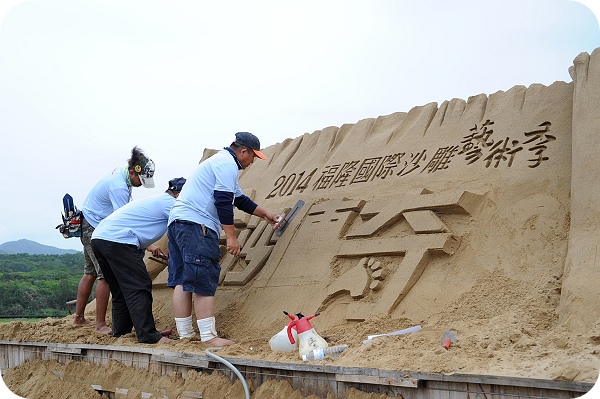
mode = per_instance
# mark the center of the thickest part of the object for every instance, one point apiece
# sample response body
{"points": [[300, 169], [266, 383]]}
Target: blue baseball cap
{"points": [[251, 141], [176, 184]]}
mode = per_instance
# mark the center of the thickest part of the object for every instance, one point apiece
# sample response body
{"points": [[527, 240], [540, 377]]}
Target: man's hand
{"points": [[156, 251], [273, 219], [233, 245], [279, 221]]}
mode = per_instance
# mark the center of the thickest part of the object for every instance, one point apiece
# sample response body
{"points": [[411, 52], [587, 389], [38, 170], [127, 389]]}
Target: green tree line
{"points": [[38, 285]]}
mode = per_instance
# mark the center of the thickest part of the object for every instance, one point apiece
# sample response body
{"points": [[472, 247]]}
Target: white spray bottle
{"points": [[280, 341]]}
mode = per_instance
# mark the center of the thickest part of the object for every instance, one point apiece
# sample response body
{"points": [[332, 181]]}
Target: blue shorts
{"points": [[193, 258]]}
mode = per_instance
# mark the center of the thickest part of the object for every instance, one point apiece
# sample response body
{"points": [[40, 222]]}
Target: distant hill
{"points": [[32, 248]]}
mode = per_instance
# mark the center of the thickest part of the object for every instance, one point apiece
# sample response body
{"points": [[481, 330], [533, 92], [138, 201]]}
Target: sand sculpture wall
{"points": [[404, 213], [580, 292]]}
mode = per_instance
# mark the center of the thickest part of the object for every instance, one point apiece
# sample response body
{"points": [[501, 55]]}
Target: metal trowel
{"points": [[287, 218]]}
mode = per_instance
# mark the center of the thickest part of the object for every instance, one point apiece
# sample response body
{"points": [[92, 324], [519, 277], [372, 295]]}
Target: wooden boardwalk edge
{"points": [[315, 379]]}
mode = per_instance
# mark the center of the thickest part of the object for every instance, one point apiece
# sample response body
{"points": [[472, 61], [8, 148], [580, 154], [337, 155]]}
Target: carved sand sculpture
{"points": [[480, 216]]}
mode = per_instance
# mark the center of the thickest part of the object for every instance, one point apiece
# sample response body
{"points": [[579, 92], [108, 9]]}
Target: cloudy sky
{"points": [[82, 82]]}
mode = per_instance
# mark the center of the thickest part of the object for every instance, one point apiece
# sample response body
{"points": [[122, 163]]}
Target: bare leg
{"points": [[204, 307], [102, 296], [83, 294], [182, 302]]}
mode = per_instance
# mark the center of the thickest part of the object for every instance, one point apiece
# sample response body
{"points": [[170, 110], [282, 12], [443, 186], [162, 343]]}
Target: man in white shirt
{"points": [[204, 208], [119, 242], [109, 194]]}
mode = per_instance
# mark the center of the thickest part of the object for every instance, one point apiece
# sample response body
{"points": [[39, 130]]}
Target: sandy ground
{"points": [[43, 379], [496, 335]]}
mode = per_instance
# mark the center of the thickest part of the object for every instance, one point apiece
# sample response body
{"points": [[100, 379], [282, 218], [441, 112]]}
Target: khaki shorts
{"points": [[91, 264]]}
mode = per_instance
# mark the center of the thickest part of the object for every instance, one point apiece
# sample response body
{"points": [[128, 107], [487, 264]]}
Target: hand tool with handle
{"points": [[286, 220], [399, 332]]}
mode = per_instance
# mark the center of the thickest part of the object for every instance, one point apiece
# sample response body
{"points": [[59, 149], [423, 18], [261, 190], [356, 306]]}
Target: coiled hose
{"points": [[231, 366]]}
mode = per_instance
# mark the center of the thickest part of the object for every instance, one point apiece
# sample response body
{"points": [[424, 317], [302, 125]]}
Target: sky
{"points": [[82, 82]]}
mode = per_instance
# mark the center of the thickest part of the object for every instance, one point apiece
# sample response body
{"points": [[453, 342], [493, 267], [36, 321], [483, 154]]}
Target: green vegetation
{"points": [[19, 319], [34, 286]]}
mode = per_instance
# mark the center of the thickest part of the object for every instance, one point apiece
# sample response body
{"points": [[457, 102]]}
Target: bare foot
{"points": [[104, 330], [219, 342], [166, 333], [80, 320], [163, 340]]}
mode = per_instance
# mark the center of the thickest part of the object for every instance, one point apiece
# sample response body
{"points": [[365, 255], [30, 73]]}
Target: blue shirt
{"points": [[140, 223], [108, 195], [196, 202]]}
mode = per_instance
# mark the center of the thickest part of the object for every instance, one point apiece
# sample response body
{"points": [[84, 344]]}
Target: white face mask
{"points": [[147, 174], [147, 182]]}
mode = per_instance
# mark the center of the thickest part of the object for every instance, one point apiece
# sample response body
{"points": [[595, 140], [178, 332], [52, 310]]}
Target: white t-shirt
{"points": [[140, 223], [196, 202]]}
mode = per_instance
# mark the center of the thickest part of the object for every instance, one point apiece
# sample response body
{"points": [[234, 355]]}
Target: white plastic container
{"points": [[308, 338], [309, 341], [281, 342]]}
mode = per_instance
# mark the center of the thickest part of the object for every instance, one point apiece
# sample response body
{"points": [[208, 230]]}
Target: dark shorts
{"points": [[193, 258]]}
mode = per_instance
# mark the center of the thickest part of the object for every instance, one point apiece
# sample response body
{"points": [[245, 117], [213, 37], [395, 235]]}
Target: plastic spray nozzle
{"points": [[302, 324], [291, 316]]}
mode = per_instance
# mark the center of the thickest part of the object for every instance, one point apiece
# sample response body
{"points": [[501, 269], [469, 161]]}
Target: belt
{"points": [[183, 221], [191, 223]]}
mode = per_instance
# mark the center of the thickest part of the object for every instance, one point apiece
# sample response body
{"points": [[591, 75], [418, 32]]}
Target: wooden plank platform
{"points": [[315, 379]]}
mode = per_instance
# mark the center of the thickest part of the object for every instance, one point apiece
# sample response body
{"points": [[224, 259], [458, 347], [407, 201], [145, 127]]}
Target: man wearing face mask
{"points": [[108, 195]]}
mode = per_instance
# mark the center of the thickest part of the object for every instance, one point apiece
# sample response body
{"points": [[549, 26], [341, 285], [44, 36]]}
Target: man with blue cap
{"points": [[202, 211], [119, 243]]}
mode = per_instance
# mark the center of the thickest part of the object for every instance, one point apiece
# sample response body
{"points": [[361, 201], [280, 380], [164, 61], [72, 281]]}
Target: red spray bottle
{"points": [[308, 338]]}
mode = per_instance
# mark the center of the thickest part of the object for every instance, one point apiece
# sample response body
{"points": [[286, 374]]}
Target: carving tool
{"points": [[399, 332], [287, 218]]}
